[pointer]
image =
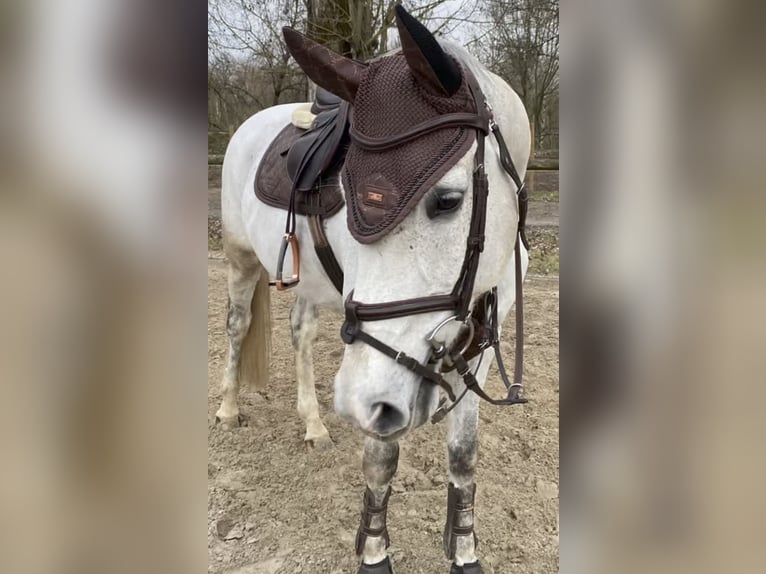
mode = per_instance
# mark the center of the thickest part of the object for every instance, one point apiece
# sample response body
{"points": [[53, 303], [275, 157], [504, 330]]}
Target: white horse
{"points": [[421, 257]]}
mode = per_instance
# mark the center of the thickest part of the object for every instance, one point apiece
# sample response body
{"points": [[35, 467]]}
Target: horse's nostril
{"points": [[386, 419]]}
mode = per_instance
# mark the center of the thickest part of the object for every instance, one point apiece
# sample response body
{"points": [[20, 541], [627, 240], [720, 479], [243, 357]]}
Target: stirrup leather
{"points": [[458, 503], [369, 510]]}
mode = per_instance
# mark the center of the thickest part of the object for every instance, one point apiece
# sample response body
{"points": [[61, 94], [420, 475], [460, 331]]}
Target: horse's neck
{"points": [[511, 118]]}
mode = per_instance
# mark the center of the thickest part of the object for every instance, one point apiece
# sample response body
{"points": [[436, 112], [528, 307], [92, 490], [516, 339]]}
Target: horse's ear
{"points": [[333, 72], [429, 64]]}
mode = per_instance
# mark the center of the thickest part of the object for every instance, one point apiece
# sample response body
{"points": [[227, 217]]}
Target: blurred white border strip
{"points": [[103, 347], [661, 261]]}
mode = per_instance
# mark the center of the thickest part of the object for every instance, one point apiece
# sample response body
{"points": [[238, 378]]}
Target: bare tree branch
{"points": [[250, 68]]}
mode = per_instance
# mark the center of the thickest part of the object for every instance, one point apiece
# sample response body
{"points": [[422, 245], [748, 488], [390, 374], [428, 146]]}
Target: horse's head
{"points": [[408, 179]]}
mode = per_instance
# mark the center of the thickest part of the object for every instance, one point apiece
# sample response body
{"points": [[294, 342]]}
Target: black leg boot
{"points": [[372, 511], [382, 567], [460, 523], [472, 568]]}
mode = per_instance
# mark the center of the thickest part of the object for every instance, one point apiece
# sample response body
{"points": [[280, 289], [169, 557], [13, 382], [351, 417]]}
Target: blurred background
{"points": [[663, 304], [102, 298], [102, 312]]}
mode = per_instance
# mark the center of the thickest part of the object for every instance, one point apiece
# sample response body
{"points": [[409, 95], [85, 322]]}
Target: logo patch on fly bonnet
{"points": [[374, 197], [378, 193], [389, 102]]}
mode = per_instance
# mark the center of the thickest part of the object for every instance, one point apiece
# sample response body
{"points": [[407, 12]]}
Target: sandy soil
{"points": [[275, 507]]}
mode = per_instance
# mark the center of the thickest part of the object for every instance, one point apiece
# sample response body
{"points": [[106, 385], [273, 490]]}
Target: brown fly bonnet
{"points": [[386, 174], [383, 186]]}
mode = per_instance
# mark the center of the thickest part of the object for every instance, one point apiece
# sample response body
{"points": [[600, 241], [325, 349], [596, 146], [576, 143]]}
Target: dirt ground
{"points": [[275, 507]]}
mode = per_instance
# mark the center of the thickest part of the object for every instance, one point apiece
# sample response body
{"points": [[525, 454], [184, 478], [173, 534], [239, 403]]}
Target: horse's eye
{"points": [[442, 201]]}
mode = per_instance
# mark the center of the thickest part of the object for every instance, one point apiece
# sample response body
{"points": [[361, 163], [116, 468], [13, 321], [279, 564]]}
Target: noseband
{"points": [[478, 334]]}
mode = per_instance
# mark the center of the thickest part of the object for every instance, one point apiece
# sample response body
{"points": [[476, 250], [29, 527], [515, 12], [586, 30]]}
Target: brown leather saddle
{"points": [[308, 160], [317, 152], [300, 173]]}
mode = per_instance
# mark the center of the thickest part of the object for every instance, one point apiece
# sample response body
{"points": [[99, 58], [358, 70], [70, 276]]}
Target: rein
{"points": [[459, 300]]}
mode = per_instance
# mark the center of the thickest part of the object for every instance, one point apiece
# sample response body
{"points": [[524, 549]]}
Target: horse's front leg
{"points": [[379, 464], [462, 449]]}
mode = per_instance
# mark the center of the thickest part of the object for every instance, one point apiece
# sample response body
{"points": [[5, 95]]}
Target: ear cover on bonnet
{"points": [[434, 69], [333, 72]]}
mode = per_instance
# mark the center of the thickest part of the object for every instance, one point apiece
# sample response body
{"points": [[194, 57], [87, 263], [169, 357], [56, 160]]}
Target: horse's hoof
{"points": [[469, 568], [231, 423], [382, 567], [323, 442]]}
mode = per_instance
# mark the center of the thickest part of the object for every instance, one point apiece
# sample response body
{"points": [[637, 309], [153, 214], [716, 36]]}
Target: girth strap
{"points": [[325, 253]]}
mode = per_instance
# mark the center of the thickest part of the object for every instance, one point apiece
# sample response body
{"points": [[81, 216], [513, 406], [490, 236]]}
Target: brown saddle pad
{"points": [[273, 184]]}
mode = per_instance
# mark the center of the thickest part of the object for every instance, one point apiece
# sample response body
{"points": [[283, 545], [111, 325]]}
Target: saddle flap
{"points": [[324, 100], [273, 184], [316, 150]]}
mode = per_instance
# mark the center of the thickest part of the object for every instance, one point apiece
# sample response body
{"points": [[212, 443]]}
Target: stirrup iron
{"points": [[284, 284]]}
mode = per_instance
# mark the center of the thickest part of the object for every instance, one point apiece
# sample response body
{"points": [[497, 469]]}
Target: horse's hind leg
{"points": [[304, 323], [248, 293]]}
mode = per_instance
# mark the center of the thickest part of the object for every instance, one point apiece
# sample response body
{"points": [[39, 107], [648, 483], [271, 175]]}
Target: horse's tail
{"points": [[256, 347]]}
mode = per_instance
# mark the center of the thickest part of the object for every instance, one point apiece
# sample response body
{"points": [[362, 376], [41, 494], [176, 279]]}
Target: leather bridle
{"points": [[480, 334]]}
